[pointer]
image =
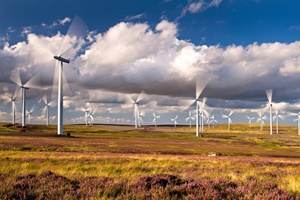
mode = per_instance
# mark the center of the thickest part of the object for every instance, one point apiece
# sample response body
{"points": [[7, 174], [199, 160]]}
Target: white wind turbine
{"points": [[213, 120], [29, 113], [86, 114], [276, 117], [250, 120], [12, 98], [261, 119], [136, 102], [78, 29], [141, 115], [190, 118], [91, 117], [174, 120], [269, 96], [229, 119], [155, 117], [203, 112], [295, 120], [199, 89], [45, 110], [33, 82]]}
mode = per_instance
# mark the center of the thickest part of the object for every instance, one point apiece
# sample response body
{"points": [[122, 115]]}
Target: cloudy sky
{"points": [[119, 48]]}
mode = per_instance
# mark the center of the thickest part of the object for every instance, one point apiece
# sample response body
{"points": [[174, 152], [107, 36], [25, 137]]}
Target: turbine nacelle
{"points": [[61, 59], [24, 87]]}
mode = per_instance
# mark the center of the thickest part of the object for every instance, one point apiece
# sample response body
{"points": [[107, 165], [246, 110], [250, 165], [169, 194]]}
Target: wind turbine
{"points": [[190, 118], [76, 26], [250, 120], [203, 112], [45, 110], [29, 113], [86, 114], [213, 121], [174, 120], [269, 96], [141, 115], [261, 119], [295, 120], [155, 117], [229, 119], [277, 115], [15, 77], [136, 102], [12, 98], [91, 117]]}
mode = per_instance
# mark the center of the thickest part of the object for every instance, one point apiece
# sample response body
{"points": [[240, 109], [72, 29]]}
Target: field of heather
{"points": [[120, 162]]}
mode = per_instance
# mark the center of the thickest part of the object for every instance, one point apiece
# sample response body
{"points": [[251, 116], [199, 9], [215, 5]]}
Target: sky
{"points": [[237, 49]]}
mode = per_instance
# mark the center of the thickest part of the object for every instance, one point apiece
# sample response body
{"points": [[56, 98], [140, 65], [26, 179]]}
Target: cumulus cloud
{"points": [[131, 57]]}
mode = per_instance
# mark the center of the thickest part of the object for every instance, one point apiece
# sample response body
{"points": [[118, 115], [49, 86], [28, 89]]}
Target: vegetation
{"points": [[120, 162]]}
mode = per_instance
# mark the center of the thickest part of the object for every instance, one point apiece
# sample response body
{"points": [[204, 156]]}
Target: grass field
{"points": [[120, 162]]}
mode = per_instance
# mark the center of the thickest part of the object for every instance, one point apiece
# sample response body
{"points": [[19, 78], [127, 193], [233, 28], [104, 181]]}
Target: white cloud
{"points": [[199, 6], [56, 23], [26, 31], [64, 21], [132, 57], [130, 18]]}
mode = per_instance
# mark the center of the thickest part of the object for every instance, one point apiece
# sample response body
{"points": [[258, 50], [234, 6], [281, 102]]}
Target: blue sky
{"points": [[162, 47]]}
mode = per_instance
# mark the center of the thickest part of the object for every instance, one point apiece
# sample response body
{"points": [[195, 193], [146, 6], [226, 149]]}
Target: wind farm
{"points": [[149, 102]]}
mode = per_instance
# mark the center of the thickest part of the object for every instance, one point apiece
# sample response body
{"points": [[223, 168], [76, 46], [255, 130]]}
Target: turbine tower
{"points": [[76, 26], [269, 96]]}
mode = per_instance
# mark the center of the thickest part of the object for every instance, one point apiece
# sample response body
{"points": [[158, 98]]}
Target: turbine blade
{"points": [[224, 116], [282, 117], [128, 99], [77, 29], [44, 99], [15, 77], [66, 86], [231, 112], [200, 86], [16, 93], [141, 96], [269, 94], [33, 82], [53, 103], [230, 121], [55, 80], [44, 110], [204, 101]]}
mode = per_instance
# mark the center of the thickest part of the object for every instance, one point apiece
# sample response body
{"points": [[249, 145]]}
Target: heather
{"points": [[48, 185], [114, 162]]}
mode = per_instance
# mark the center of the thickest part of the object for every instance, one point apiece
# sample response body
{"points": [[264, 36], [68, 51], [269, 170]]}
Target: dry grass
{"points": [[123, 152]]}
